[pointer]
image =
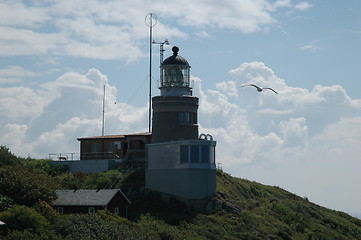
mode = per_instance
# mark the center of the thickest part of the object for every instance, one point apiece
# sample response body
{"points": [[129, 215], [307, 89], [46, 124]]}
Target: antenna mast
{"points": [[149, 22], [103, 121]]}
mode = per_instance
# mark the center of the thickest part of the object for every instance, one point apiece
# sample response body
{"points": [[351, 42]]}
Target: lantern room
{"points": [[175, 75]]}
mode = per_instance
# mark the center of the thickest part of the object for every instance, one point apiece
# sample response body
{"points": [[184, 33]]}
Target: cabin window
{"points": [[60, 210], [116, 211], [95, 147], [91, 210], [110, 147], [118, 145]]}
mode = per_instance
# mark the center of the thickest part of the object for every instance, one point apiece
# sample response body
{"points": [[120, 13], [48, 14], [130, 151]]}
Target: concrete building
{"points": [[180, 163]]}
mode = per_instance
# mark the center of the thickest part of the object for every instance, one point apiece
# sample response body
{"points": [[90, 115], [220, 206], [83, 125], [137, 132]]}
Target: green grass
{"points": [[262, 212]]}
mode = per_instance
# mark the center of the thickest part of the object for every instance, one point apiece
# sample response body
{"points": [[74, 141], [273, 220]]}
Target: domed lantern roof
{"points": [[175, 75], [175, 59]]}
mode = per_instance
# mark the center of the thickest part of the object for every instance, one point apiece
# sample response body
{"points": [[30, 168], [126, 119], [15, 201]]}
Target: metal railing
{"points": [[83, 156]]}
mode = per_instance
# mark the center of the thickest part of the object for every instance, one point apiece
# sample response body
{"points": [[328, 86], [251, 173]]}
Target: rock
{"points": [[217, 204]]}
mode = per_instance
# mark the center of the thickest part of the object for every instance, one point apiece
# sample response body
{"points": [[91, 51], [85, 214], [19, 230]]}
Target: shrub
{"points": [[20, 218]]}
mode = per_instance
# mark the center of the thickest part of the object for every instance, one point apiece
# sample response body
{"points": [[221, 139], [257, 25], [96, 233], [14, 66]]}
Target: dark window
{"points": [[95, 147], [205, 154], [195, 118], [91, 210], [110, 147], [184, 154], [188, 117], [180, 117], [60, 210], [194, 154], [116, 211]]}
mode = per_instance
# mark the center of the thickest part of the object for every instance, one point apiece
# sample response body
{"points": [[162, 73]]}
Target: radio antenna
{"points": [[150, 23]]}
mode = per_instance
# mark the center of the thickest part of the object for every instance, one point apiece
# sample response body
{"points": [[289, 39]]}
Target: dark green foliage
{"points": [[241, 209], [25, 186], [95, 227], [7, 158], [20, 218], [5, 202]]}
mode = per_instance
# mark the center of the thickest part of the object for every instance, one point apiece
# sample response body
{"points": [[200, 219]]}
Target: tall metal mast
{"points": [[103, 121], [149, 22]]}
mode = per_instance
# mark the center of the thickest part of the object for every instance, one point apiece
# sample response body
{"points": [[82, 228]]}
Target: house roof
{"points": [[86, 197], [115, 136]]}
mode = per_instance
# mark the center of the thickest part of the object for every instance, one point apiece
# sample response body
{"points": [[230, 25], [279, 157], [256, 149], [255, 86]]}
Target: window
{"points": [[116, 210], [118, 145], [194, 154], [60, 210], [181, 117], [184, 158], [95, 147], [188, 117], [205, 151], [110, 147], [195, 118], [91, 210]]}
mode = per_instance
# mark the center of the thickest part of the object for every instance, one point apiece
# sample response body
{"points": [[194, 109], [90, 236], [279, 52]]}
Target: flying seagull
{"points": [[260, 89]]}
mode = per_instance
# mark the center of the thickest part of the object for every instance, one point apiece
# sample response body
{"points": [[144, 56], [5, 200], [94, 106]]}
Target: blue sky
{"points": [[55, 56]]}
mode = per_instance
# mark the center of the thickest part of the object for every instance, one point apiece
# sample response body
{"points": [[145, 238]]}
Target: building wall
{"points": [[167, 125], [78, 209], [118, 202], [88, 166], [186, 175], [187, 183]]}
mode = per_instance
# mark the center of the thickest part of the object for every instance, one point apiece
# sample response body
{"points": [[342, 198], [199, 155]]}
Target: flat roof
{"points": [[115, 136]]}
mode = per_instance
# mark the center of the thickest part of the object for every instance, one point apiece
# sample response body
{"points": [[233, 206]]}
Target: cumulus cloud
{"points": [[291, 140], [303, 6], [295, 139], [116, 29], [48, 120]]}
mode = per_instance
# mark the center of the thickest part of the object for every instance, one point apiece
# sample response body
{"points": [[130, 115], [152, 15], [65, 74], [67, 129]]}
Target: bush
{"points": [[6, 157], [20, 218], [25, 186]]}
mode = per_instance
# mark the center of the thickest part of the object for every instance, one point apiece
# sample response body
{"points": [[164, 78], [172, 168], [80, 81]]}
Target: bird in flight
{"points": [[260, 89]]}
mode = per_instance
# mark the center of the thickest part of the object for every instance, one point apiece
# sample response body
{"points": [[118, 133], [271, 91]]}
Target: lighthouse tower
{"points": [[175, 110], [180, 162]]}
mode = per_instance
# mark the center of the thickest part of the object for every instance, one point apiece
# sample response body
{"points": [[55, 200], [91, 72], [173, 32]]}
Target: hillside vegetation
{"points": [[240, 209]]}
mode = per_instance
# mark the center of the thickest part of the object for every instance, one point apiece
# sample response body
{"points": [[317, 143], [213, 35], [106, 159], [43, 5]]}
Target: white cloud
{"points": [[17, 71], [18, 14], [115, 29], [311, 47], [303, 6], [292, 139], [14, 74], [299, 139], [50, 119]]}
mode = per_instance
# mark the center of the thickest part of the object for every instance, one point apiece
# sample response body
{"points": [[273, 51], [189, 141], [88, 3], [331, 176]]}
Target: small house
{"points": [[114, 146], [91, 200]]}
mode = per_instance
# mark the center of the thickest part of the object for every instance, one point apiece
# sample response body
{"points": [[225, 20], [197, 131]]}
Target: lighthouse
{"points": [[180, 161], [175, 110]]}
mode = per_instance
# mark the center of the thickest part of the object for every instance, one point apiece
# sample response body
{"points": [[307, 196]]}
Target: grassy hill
{"points": [[242, 209]]}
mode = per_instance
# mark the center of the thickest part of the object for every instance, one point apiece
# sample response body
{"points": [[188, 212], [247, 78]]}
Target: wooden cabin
{"points": [[129, 147], [91, 200]]}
